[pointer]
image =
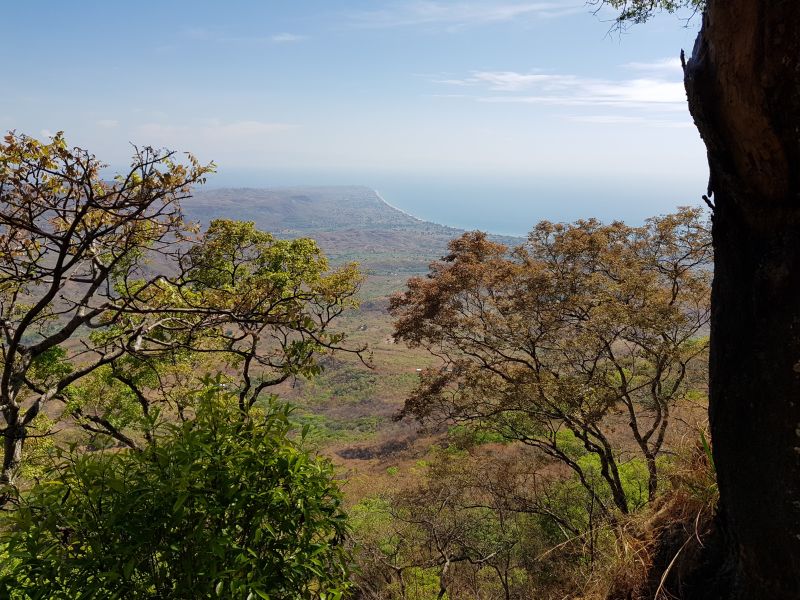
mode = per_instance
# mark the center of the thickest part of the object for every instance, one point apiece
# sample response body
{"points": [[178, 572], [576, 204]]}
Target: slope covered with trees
{"points": [[567, 373], [141, 458], [84, 303], [570, 379], [350, 223], [581, 329], [563, 369]]}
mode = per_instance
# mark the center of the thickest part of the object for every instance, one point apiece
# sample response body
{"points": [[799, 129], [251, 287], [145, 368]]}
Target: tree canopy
{"points": [[104, 287], [580, 332], [226, 505]]}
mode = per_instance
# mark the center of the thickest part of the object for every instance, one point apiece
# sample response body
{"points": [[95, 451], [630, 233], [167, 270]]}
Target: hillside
{"points": [[348, 407], [349, 222]]}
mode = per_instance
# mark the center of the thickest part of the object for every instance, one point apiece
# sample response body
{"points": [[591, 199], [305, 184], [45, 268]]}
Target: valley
{"points": [[350, 409]]}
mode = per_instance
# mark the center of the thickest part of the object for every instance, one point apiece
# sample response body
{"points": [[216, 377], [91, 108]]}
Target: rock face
{"points": [[349, 222]]}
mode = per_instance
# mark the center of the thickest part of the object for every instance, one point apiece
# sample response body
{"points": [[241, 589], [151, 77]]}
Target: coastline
{"points": [[393, 207]]}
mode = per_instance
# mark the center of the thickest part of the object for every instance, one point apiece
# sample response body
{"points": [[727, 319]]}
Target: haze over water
{"points": [[502, 205]]}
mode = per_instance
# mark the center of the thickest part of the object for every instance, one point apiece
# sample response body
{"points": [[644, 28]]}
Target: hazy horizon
{"points": [[502, 206], [489, 114]]}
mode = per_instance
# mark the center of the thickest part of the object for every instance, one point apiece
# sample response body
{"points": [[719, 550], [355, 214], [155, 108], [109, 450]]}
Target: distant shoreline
{"points": [[231, 193], [392, 206], [455, 230]]}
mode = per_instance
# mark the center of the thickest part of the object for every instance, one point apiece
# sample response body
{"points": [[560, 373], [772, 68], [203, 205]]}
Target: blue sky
{"points": [[476, 113]]}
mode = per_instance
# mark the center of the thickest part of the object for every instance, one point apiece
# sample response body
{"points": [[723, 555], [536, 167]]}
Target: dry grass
{"points": [[655, 550]]}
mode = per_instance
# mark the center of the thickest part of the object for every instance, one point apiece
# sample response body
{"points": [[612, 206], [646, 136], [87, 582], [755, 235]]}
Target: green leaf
{"points": [[180, 501], [707, 450]]}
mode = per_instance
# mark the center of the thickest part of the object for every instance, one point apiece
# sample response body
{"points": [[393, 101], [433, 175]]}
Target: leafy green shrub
{"points": [[321, 429], [633, 472], [467, 436], [226, 505]]}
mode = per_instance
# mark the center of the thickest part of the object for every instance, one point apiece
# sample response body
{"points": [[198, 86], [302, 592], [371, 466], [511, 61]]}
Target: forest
{"points": [[196, 407], [152, 456]]}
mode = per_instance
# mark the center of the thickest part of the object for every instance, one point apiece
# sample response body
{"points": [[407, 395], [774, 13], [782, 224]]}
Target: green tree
{"points": [[477, 523], [104, 288], [227, 505], [558, 343]]}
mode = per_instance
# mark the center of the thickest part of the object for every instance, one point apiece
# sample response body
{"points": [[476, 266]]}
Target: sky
{"points": [[486, 114]]}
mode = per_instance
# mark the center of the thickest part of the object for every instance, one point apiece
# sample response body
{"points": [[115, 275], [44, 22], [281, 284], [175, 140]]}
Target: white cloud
{"points": [[653, 97], [570, 90], [46, 133], [510, 81], [107, 123], [287, 38], [636, 92], [461, 14]]}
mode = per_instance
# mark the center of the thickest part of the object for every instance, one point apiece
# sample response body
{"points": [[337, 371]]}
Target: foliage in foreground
{"points": [[562, 342], [226, 505], [104, 287], [500, 523]]}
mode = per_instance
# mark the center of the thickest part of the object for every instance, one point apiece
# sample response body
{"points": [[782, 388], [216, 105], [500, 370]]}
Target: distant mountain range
{"points": [[349, 223]]}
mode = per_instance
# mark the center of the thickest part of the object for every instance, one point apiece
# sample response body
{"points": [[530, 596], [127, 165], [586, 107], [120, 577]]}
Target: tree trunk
{"points": [[743, 85], [652, 478], [13, 438]]}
